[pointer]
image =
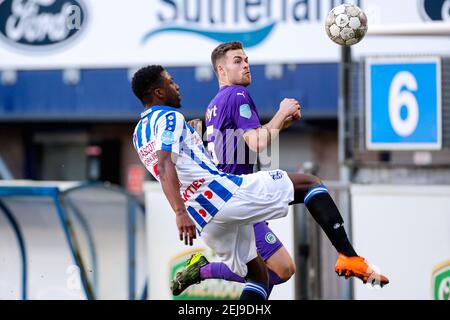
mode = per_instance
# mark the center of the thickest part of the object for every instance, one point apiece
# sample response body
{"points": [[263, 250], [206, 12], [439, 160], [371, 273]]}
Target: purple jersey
{"points": [[229, 115]]}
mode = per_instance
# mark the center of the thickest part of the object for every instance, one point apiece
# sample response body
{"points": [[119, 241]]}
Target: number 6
{"points": [[398, 99]]}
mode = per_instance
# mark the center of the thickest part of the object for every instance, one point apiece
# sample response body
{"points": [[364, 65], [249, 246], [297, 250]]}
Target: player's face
{"points": [[173, 97], [237, 68]]}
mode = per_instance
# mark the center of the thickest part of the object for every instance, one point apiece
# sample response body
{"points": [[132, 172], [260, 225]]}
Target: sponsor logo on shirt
{"points": [[211, 113], [244, 111], [270, 238], [148, 154], [338, 225], [167, 137], [192, 189], [276, 175]]}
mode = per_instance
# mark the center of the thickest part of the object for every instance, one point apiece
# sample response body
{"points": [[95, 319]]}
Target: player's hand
{"points": [[288, 122], [290, 108], [195, 123], [290, 119], [186, 229], [297, 115]]}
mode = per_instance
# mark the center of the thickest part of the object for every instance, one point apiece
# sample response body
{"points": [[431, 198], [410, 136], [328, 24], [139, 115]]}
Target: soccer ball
{"points": [[346, 24]]}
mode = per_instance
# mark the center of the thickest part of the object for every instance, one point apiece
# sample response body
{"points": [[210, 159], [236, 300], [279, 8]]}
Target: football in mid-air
{"points": [[346, 24]]}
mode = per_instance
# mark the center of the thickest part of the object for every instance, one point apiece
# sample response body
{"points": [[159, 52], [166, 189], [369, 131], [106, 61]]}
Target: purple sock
{"points": [[219, 270]]}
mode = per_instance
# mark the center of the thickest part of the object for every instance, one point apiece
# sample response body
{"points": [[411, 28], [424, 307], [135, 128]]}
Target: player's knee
{"points": [[287, 271], [315, 181]]}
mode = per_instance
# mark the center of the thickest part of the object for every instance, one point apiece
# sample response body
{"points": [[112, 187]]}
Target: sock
{"points": [[219, 270], [324, 211], [254, 291]]}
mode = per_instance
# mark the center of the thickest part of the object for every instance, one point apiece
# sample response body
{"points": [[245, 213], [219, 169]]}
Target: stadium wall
{"points": [[403, 230]]}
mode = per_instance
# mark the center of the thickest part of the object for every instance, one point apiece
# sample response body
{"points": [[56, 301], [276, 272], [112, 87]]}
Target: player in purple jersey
{"points": [[235, 135]]}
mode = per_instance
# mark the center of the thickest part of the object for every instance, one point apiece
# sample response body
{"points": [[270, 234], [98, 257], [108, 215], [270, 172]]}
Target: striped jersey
{"points": [[203, 188]]}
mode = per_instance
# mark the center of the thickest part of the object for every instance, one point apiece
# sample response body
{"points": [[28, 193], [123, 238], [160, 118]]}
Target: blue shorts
{"points": [[266, 241]]}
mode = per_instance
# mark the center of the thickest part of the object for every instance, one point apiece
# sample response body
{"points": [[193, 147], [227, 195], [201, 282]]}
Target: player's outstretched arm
{"points": [[169, 182], [258, 139]]}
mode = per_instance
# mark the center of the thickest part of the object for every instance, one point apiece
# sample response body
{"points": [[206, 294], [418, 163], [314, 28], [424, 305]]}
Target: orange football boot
{"points": [[358, 267]]}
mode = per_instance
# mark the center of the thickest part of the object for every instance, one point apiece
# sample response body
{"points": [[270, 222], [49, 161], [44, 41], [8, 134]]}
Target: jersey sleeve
{"points": [[169, 132], [244, 114]]}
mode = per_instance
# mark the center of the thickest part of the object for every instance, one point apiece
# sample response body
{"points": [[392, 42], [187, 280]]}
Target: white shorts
{"points": [[264, 195]]}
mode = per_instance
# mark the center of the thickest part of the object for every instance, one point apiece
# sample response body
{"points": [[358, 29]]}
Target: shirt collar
{"points": [[155, 108]]}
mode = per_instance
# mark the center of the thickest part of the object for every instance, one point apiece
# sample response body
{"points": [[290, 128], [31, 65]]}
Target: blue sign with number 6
{"points": [[403, 104]]}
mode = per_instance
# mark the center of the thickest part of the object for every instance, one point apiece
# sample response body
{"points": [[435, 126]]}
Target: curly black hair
{"points": [[145, 80]]}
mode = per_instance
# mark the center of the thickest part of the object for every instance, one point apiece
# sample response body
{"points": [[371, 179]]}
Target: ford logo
{"points": [[435, 10], [41, 24]]}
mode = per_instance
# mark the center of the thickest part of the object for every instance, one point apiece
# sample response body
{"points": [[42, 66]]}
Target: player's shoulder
{"points": [[239, 91], [238, 95], [169, 113]]}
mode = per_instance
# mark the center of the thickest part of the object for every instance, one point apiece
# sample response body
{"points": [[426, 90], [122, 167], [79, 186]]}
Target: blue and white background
{"points": [[117, 33]]}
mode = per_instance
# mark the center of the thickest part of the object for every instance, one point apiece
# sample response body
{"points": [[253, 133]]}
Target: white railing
{"points": [[410, 29]]}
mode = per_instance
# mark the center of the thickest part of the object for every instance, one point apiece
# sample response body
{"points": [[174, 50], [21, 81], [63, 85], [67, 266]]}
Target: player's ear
{"points": [[159, 93], [220, 69]]}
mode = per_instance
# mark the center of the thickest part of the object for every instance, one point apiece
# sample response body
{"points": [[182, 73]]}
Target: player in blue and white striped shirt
{"points": [[204, 190], [223, 207]]}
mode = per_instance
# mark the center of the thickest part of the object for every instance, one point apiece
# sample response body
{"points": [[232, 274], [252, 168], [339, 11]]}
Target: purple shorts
{"points": [[266, 241]]}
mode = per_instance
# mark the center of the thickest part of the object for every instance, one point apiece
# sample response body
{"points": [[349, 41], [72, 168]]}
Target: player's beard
{"points": [[246, 79], [174, 101], [177, 103]]}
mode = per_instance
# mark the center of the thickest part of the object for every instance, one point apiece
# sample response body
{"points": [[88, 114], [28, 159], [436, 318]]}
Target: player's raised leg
{"points": [[310, 190]]}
